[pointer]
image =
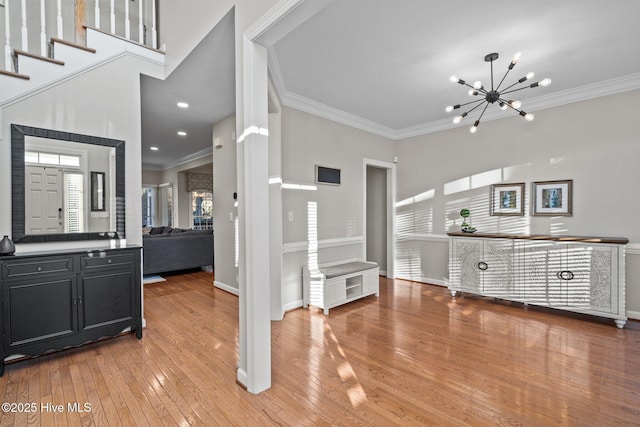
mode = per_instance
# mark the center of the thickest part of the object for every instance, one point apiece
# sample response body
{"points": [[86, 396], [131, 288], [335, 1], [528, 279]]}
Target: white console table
{"points": [[580, 274]]}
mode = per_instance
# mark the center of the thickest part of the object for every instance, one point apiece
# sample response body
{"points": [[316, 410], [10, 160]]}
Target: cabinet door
{"points": [[576, 275], [107, 299], [465, 256], [39, 311], [370, 281], [335, 291], [496, 268], [593, 271], [532, 273]]}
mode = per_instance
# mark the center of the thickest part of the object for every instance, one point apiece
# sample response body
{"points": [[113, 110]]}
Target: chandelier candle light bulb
{"points": [[496, 93]]}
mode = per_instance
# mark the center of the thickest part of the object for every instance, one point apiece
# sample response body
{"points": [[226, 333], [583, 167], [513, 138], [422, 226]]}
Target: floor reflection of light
{"points": [[355, 392]]}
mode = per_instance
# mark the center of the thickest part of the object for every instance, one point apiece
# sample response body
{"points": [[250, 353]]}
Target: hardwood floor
{"points": [[413, 356]]}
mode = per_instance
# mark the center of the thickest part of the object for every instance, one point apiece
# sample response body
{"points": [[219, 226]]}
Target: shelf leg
{"points": [[453, 293], [620, 323]]}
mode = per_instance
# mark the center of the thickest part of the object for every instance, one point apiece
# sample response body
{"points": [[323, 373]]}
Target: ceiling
{"points": [[206, 81], [384, 66]]}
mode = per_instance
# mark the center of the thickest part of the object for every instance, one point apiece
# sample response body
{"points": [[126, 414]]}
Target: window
{"points": [[73, 203], [202, 209], [165, 204], [148, 206], [51, 159]]}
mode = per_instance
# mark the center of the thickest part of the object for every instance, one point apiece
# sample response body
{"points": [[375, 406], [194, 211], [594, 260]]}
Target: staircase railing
{"points": [[29, 25]]}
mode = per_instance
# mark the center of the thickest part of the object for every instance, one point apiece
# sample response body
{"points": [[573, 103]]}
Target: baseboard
{"points": [[291, 306], [635, 315], [430, 281], [242, 378], [226, 287], [426, 281]]}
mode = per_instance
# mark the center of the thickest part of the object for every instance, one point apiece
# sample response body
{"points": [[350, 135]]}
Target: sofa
{"points": [[171, 249]]}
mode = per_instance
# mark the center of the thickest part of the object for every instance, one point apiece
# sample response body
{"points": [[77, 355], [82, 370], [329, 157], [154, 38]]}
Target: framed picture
{"points": [[97, 192], [552, 198], [507, 199]]}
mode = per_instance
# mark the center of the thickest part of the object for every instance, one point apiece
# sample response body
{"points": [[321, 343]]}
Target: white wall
{"points": [[104, 102], [224, 212], [594, 143], [182, 27], [308, 140]]}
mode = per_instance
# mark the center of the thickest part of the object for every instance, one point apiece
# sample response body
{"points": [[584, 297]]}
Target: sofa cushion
{"points": [[156, 230], [156, 236], [347, 268], [197, 232]]}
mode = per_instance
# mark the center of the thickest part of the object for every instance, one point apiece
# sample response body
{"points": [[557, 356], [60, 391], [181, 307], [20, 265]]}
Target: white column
{"points": [[7, 39], [254, 369], [140, 26], [97, 14], [113, 17], [59, 19], [25, 33], [127, 22], [43, 31]]}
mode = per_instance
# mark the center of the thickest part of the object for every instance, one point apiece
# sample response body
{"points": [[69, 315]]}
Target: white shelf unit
{"points": [[579, 274], [325, 289]]}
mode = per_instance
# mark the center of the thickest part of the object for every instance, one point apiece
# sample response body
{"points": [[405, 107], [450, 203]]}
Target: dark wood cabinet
{"points": [[54, 301]]}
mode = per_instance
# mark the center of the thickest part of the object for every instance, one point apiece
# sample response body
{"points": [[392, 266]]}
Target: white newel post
{"points": [[7, 39], [59, 19], [43, 31], [25, 33]]}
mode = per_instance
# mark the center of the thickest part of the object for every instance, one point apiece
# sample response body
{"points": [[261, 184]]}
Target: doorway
{"points": [[379, 215]]}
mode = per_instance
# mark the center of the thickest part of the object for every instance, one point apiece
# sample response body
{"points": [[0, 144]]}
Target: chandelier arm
{"points": [[482, 114], [478, 106], [505, 102], [515, 90], [471, 102], [503, 77]]}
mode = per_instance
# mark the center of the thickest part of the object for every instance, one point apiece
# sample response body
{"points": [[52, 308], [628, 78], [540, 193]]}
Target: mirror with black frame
{"points": [[66, 186]]}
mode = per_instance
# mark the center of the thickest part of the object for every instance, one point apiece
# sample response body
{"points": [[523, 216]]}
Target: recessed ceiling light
{"points": [[183, 105], [182, 133], [153, 148]]}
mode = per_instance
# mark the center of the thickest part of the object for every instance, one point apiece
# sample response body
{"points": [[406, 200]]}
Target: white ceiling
{"points": [[206, 81], [384, 65]]}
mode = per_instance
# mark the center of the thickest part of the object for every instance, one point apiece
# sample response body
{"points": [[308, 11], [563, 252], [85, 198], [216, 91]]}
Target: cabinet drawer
{"points": [[33, 267], [102, 260]]}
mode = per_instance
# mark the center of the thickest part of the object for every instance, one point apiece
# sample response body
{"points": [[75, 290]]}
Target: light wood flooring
{"points": [[413, 356]]}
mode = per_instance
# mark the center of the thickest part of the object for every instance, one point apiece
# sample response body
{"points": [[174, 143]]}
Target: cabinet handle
{"points": [[109, 261], [483, 266], [39, 268], [565, 275]]}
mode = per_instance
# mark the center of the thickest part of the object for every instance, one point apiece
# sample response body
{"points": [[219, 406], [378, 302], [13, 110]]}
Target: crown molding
{"points": [[269, 19], [310, 106], [181, 161], [579, 94]]}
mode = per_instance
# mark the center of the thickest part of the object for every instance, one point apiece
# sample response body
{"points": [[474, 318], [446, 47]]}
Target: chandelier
{"points": [[495, 94]]}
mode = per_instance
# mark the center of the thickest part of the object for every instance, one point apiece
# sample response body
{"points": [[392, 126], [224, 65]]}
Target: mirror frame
{"points": [[18, 133]]}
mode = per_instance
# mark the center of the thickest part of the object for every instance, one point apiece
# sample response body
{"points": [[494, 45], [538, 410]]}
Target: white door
{"points": [[43, 200]]}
